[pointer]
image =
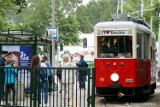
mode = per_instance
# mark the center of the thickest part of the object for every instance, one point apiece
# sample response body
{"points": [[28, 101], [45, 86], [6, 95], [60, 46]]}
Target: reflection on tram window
{"points": [[122, 45]]}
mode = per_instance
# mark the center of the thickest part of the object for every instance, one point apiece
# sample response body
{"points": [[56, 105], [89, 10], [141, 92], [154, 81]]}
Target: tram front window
{"points": [[114, 46]]}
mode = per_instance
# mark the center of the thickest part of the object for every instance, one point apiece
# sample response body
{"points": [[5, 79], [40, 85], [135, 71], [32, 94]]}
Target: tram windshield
{"points": [[114, 46]]}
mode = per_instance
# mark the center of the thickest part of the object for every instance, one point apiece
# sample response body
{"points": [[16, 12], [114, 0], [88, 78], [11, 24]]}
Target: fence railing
{"points": [[34, 87]]}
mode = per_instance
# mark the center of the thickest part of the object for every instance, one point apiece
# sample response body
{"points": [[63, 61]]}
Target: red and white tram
{"points": [[127, 66]]}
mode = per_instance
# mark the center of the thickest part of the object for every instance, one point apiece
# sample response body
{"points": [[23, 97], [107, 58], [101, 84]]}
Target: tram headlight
{"points": [[114, 77]]}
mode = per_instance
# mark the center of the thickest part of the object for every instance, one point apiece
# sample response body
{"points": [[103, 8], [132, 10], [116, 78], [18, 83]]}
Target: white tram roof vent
{"points": [[125, 17], [121, 17]]}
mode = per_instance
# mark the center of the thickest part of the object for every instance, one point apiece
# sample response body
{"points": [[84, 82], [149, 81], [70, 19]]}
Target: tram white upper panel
{"points": [[123, 25]]}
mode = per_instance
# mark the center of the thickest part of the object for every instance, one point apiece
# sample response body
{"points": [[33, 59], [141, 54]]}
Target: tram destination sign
{"points": [[114, 32]]}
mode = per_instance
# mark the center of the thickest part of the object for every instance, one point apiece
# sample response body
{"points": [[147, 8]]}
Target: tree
{"points": [[8, 7], [94, 12], [69, 30], [148, 11], [37, 17], [83, 19], [103, 10], [156, 19]]}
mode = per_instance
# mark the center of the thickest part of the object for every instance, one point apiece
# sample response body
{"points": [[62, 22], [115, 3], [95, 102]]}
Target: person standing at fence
{"points": [[67, 79], [36, 62], [83, 72], [50, 74], [10, 79], [44, 81], [3, 57], [59, 72]]}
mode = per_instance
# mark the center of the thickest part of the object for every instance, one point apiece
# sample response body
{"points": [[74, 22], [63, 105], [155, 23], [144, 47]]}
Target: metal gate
{"points": [[30, 93]]}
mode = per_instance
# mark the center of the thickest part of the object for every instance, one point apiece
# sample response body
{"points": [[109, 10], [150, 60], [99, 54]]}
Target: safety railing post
{"points": [[93, 87]]}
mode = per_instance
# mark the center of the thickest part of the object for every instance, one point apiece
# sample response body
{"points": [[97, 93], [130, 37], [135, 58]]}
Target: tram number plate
{"points": [[129, 80]]}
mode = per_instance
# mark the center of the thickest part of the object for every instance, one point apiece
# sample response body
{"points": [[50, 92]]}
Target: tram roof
{"points": [[115, 24], [122, 20], [120, 24]]}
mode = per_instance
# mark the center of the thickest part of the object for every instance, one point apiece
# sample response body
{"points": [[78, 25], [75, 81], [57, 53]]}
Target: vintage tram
{"points": [[125, 57]]}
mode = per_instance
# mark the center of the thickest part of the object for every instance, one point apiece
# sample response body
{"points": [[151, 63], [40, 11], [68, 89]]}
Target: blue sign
{"points": [[25, 55], [53, 33]]}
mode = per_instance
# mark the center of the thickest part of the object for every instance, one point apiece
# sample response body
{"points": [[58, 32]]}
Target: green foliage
{"points": [[37, 17], [95, 12], [82, 17], [7, 8], [103, 10], [67, 6], [69, 28], [147, 13]]}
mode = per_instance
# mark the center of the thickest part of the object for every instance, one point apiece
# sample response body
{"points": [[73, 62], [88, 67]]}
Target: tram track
{"points": [[151, 101]]}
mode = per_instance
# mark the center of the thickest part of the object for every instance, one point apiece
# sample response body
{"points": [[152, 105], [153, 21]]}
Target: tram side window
{"points": [[139, 45], [129, 45], [153, 52], [146, 47]]}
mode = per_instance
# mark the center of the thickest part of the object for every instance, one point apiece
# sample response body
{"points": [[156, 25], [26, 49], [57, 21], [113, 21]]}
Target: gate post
{"points": [[93, 87], [89, 98], [33, 88]]}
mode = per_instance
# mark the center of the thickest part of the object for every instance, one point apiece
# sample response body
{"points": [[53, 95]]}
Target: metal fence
{"points": [[30, 89]]}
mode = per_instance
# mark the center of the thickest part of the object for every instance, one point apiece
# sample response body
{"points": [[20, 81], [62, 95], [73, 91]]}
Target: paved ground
{"points": [[55, 98]]}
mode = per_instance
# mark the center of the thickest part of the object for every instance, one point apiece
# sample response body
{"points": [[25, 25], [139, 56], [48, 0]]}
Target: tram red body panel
{"points": [[132, 72]]}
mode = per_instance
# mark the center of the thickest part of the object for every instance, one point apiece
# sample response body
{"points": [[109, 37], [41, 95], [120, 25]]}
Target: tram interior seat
{"points": [[109, 55], [120, 55]]}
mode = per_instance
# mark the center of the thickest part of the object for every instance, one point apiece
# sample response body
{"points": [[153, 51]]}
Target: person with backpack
{"points": [[44, 81], [82, 72], [50, 74]]}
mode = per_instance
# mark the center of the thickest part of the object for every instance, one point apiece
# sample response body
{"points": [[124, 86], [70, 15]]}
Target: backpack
{"points": [[59, 73], [43, 74]]}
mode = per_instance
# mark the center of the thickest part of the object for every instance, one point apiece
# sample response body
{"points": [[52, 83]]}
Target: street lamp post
{"points": [[53, 24], [121, 6], [159, 46], [151, 19], [121, 2]]}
